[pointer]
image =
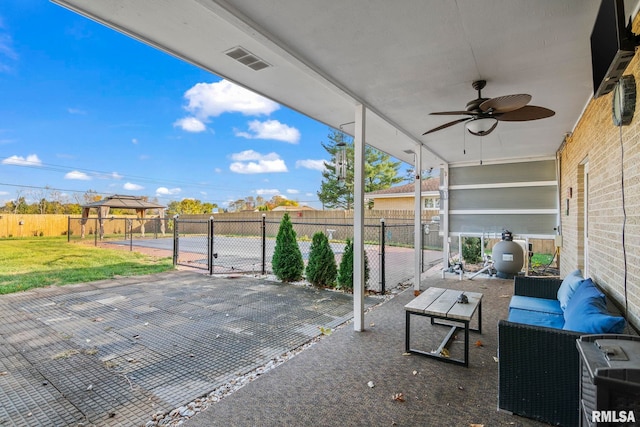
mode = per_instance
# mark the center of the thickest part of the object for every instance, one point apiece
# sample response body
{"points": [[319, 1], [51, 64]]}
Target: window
{"points": [[431, 203]]}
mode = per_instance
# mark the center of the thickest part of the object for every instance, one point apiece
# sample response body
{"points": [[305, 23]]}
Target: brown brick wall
{"points": [[597, 141]]}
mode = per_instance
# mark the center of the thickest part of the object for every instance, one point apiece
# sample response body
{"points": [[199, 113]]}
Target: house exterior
{"points": [[599, 192], [401, 197]]}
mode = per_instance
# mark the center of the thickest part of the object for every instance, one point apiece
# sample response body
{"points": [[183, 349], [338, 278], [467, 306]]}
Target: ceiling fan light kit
{"points": [[483, 114], [481, 126]]}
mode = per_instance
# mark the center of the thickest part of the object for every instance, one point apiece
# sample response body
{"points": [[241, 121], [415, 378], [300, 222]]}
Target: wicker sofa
{"points": [[539, 367]]}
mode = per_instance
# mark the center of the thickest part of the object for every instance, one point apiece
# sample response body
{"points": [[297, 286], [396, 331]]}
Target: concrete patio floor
{"points": [[116, 352], [328, 384]]}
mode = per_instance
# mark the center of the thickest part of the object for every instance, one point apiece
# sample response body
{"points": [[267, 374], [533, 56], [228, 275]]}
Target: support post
{"points": [[382, 256], [417, 226], [444, 220], [358, 219]]}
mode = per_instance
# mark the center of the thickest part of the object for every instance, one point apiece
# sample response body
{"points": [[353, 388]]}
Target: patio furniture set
{"points": [[539, 369]]}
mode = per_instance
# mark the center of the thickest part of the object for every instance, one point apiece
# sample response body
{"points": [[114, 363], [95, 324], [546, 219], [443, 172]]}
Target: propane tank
{"points": [[508, 257]]}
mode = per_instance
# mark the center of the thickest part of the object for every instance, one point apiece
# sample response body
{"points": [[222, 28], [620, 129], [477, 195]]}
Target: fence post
{"points": [[264, 243], [68, 229], [95, 233], [175, 240], [130, 225], [210, 255], [382, 256]]}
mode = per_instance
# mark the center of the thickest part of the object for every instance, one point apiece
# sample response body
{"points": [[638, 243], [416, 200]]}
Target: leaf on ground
{"points": [[495, 359], [445, 353], [371, 384], [416, 293], [476, 425], [325, 331], [3, 373], [415, 372], [97, 319], [505, 296], [479, 344], [406, 354], [398, 397]]}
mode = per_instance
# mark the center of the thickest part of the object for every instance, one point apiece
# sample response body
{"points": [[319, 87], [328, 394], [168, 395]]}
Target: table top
{"points": [[444, 303]]}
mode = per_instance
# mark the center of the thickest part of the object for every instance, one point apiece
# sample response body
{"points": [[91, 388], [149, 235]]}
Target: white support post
{"points": [[417, 236], [358, 219], [444, 220]]}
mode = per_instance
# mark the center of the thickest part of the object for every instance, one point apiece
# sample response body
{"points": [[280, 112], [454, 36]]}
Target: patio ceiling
{"points": [[402, 60]]}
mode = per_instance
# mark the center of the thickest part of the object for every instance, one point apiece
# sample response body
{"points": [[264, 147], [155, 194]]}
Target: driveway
{"points": [[116, 352]]}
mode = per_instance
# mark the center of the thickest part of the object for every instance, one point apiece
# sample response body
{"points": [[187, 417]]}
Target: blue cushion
{"points": [[587, 312], [536, 318], [535, 304], [568, 287]]}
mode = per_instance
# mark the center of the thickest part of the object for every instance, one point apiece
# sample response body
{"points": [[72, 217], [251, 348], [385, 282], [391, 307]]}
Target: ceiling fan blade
{"points": [[454, 113], [446, 125], [504, 104], [529, 112]]}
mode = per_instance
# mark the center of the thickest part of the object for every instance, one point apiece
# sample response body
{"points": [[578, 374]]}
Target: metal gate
{"points": [[206, 244]]}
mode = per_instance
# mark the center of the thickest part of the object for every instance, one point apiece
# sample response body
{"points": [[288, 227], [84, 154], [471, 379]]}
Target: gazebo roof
{"points": [[124, 202]]}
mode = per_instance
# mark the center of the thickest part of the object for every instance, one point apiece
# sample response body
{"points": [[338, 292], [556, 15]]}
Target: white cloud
{"points": [[4, 193], [213, 99], [249, 162], [292, 191], [77, 175], [267, 192], [311, 164], [218, 170], [31, 160], [132, 187], [134, 140], [164, 191], [76, 111], [190, 124], [271, 129], [7, 54]]}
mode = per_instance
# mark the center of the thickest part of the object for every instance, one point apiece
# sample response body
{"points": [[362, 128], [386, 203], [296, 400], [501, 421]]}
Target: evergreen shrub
{"points": [[321, 268], [287, 260]]}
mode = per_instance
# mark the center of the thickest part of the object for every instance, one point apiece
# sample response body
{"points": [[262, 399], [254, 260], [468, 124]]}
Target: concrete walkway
{"points": [[116, 352]]}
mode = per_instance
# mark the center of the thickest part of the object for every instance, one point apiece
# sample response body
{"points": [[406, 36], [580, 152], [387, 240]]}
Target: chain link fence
{"points": [[247, 245]]}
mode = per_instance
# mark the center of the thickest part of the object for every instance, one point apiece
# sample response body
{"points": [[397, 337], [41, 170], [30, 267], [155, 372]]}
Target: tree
{"points": [[345, 273], [287, 260], [380, 172], [321, 269], [189, 206]]}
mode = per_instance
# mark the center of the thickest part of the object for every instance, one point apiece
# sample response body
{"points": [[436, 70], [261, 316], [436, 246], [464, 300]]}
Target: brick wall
{"points": [[597, 145]]}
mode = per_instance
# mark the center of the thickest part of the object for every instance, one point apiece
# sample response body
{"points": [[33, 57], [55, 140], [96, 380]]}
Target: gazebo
{"points": [[124, 202]]}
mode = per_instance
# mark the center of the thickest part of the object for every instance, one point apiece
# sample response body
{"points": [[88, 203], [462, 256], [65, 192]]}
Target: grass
{"points": [[44, 261]]}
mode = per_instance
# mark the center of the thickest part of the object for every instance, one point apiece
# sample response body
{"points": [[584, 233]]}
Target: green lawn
{"points": [[43, 261]]}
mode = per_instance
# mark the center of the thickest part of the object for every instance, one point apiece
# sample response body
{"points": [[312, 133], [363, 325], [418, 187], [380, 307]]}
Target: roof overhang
{"points": [[401, 61]]}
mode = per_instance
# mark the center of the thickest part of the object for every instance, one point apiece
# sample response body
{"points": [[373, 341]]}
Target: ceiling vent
{"points": [[242, 55]]}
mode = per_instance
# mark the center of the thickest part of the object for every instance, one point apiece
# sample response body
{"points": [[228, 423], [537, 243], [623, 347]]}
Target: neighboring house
{"points": [[402, 197], [292, 208]]}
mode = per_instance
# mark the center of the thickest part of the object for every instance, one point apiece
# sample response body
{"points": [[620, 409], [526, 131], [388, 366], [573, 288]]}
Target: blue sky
{"points": [[85, 108]]}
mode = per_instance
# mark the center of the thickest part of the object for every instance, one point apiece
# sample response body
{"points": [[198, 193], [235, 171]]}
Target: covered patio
{"points": [[377, 70]]}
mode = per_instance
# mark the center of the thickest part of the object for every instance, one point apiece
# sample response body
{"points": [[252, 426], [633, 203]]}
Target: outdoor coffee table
{"points": [[438, 303]]}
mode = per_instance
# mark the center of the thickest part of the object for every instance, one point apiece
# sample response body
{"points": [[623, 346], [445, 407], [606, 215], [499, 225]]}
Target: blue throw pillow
{"points": [[587, 312], [568, 287]]}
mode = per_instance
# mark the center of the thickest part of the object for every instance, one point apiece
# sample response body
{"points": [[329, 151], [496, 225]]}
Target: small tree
{"points": [[345, 274], [287, 260], [321, 269], [471, 250]]}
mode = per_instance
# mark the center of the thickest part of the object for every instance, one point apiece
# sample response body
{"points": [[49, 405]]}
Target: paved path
{"points": [[115, 352]]}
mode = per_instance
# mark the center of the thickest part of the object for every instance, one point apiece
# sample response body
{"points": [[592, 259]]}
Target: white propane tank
{"points": [[508, 257]]}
